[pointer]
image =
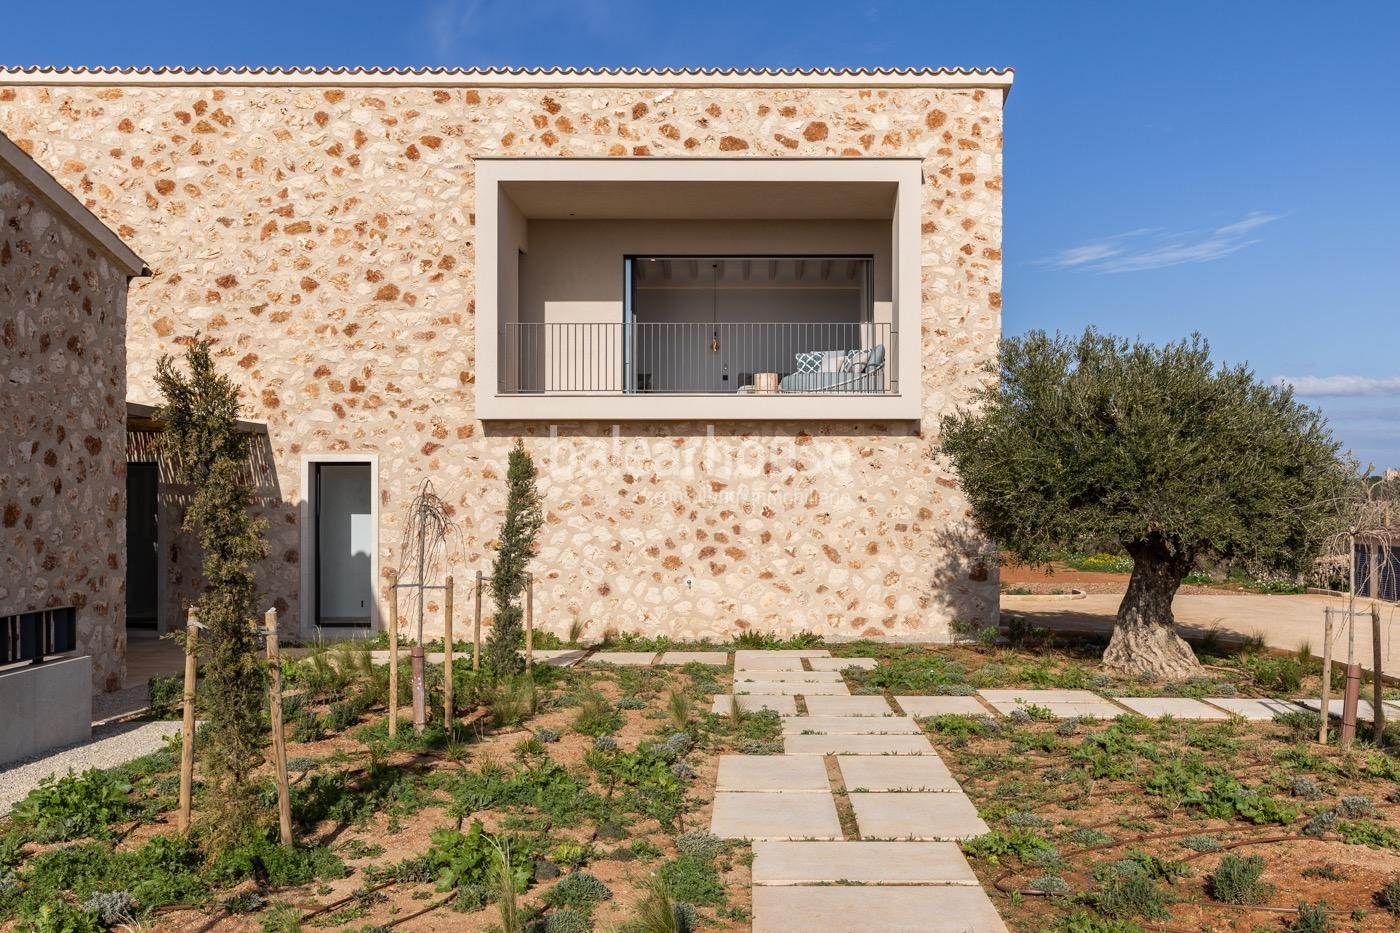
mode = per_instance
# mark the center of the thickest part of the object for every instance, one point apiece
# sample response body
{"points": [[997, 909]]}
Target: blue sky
{"points": [[1229, 167]]}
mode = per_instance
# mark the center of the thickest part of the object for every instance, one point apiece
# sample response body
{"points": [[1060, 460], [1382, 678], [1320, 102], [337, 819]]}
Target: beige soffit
{"points": [[997, 78], [31, 173]]}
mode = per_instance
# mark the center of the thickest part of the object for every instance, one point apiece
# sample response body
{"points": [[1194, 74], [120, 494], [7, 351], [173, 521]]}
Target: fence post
{"points": [[476, 627], [529, 622], [182, 822], [1326, 674], [447, 685], [279, 738], [1378, 688], [394, 657]]}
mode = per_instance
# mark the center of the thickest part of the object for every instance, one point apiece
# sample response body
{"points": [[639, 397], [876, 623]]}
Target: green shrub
{"points": [[1312, 918], [692, 880], [57, 916], [994, 846], [580, 889], [1389, 896], [567, 920], [596, 716], [1129, 896], [284, 867], [1238, 881], [701, 844], [73, 806], [1368, 833], [464, 860], [167, 695]]}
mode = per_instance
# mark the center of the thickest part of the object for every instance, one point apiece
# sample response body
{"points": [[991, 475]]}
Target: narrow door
{"points": [[142, 545], [344, 543]]}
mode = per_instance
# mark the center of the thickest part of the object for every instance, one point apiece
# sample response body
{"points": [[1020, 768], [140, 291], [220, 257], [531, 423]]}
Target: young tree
{"points": [[1094, 441], [208, 452], [517, 543]]}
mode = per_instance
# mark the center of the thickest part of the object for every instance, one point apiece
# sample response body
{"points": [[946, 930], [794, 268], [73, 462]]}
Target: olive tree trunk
{"points": [[1145, 642]]}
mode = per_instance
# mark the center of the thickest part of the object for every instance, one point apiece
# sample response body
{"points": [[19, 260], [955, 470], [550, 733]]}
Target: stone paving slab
{"points": [[1364, 711], [939, 863], [752, 675], [1176, 707], [1099, 709], [1016, 695], [761, 773], [942, 817], [867, 908], [752, 703], [748, 654], [775, 816], [849, 725], [623, 658], [712, 658], [849, 706], [792, 689], [1253, 709], [896, 774], [942, 706], [840, 664], [767, 664], [856, 745]]}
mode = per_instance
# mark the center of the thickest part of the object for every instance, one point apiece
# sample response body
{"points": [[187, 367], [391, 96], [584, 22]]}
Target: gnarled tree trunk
{"points": [[1144, 640]]}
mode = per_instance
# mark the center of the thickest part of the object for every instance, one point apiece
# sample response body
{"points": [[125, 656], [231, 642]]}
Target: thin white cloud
{"points": [[1141, 250], [1342, 385]]}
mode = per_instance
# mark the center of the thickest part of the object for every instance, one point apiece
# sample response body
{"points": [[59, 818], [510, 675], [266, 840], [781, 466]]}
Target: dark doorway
{"points": [[142, 545]]}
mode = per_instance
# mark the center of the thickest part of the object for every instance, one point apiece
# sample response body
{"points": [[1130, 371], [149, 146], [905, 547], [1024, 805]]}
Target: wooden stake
{"points": [[1326, 675], [182, 821], [1378, 688], [279, 738], [529, 622], [476, 627], [1349, 701], [394, 657], [447, 685]]}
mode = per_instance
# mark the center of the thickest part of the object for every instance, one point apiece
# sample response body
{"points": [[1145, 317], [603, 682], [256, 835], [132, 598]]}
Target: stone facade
{"points": [[323, 235], [62, 460]]}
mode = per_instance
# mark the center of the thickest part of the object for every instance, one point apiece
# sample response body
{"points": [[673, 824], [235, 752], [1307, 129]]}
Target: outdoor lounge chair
{"points": [[872, 380]]}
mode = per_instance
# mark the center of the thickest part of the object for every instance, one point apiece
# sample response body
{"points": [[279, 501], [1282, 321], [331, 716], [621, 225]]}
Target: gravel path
{"points": [[111, 745]]}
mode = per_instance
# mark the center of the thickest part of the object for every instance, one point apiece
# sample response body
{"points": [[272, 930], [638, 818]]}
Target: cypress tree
{"points": [[202, 442], [517, 542]]}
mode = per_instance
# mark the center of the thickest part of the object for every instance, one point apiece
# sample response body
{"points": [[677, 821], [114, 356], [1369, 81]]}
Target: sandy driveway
{"points": [[1284, 621]]}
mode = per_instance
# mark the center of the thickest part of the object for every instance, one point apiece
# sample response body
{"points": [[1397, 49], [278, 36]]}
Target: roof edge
{"points": [[999, 78], [35, 177]]}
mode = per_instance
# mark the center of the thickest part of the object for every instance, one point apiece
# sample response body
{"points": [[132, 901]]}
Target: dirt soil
{"points": [[1058, 578]]}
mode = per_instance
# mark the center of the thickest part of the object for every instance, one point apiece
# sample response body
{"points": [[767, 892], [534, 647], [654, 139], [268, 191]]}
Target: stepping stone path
{"points": [[710, 658], [1062, 704], [1176, 707], [899, 866]]}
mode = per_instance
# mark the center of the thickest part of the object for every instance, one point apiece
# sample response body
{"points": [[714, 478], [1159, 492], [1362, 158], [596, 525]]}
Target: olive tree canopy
{"points": [[1094, 441]]}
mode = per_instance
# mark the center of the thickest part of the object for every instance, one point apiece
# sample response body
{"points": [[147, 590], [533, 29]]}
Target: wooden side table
{"points": [[765, 383]]}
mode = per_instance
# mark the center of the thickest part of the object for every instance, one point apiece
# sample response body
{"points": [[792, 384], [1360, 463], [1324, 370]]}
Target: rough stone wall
{"points": [[62, 424], [324, 237]]}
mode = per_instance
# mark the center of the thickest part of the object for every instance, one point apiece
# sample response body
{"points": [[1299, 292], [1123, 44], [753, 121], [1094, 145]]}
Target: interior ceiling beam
{"points": [[748, 266], [851, 269], [801, 268], [826, 269], [773, 269], [666, 269]]}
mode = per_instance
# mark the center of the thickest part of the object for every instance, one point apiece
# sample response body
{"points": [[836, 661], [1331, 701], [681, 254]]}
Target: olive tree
{"points": [[1092, 442]]}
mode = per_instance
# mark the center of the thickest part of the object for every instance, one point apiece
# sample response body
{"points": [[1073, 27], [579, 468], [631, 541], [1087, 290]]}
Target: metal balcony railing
{"points": [[698, 358]]}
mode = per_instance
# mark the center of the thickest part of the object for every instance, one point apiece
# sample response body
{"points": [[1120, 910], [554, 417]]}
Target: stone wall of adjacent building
{"points": [[324, 237], [62, 424]]}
